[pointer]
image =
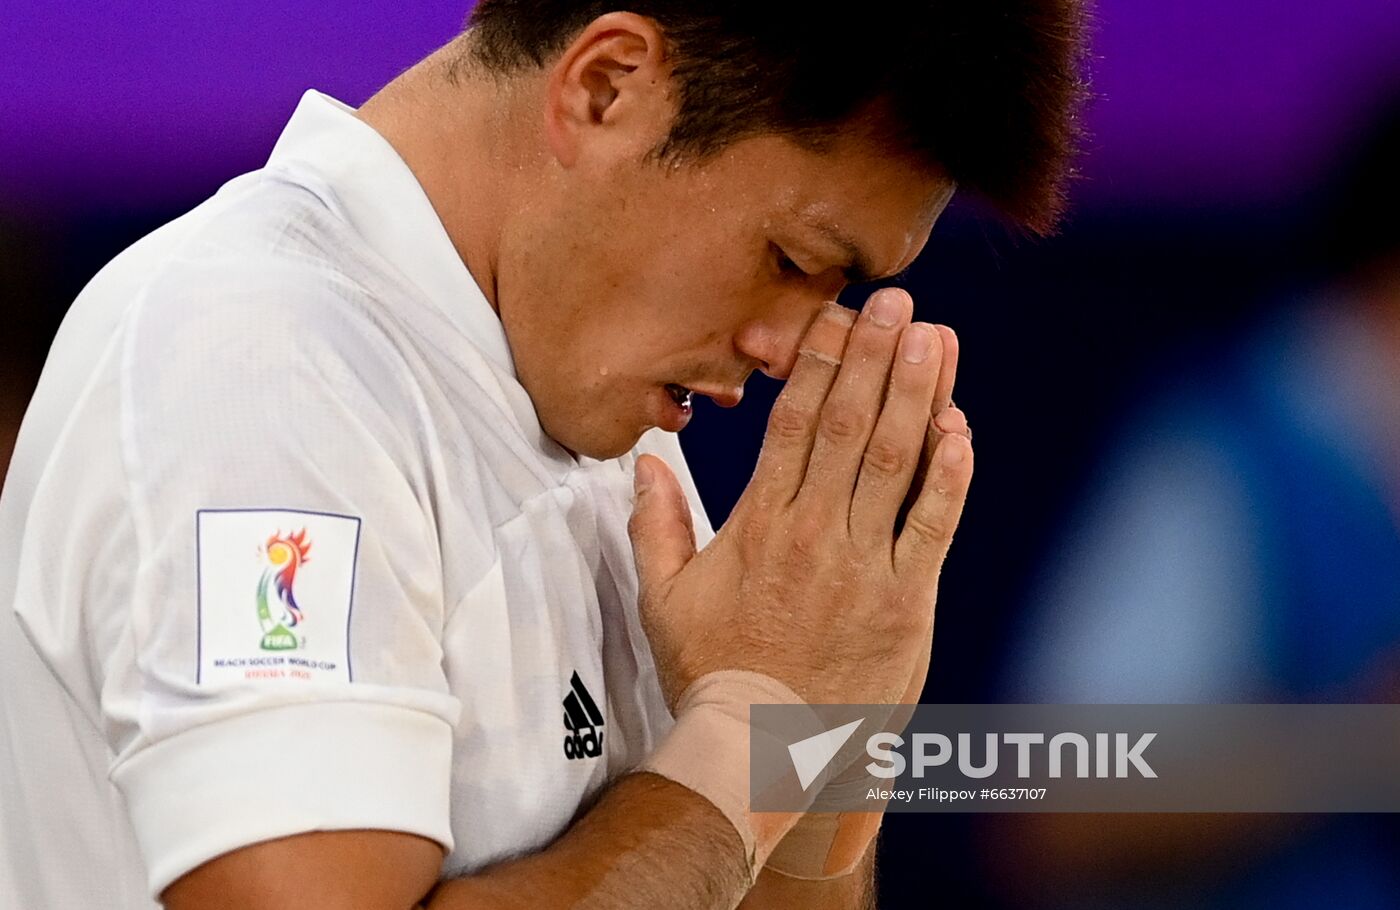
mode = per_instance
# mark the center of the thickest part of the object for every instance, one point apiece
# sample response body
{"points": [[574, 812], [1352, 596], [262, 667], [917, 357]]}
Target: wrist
{"points": [[708, 752], [825, 845], [830, 845]]}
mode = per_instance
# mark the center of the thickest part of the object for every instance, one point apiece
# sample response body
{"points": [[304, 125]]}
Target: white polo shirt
{"points": [[284, 548]]}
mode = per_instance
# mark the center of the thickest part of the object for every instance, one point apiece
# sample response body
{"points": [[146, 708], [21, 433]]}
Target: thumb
{"points": [[663, 538]]}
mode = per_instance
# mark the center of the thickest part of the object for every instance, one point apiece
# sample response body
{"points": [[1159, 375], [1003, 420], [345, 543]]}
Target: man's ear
{"points": [[609, 92]]}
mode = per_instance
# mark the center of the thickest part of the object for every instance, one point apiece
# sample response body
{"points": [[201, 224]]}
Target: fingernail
{"points": [[915, 344], [644, 477], [952, 449], [885, 309]]}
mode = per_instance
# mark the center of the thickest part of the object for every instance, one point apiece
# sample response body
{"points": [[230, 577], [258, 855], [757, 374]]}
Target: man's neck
{"points": [[456, 135]]}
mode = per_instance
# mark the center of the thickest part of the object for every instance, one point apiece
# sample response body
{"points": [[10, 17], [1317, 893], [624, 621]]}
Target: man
{"points": [[318, 523]]}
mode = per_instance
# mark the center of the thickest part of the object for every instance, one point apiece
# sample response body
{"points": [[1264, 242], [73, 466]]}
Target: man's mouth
{"points": [[682, 398], [679, 394], [723, 394]]}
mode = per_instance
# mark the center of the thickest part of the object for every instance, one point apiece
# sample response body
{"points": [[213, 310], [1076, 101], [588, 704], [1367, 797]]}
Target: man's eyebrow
{"points": [[860, 270]]}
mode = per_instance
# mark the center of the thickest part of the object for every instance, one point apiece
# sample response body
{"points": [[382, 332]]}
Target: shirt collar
{"points": [[377, 193], [383, 201]]}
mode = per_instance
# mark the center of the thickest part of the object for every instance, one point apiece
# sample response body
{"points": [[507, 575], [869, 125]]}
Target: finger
{"points": [[948, 369], [928, 528], [892, 454], [792, 424], [951, 420], [851, 408], [661, 528]]}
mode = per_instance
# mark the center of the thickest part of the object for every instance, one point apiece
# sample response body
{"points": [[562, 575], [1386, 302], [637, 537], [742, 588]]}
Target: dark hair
{"points": [[986, 90]]}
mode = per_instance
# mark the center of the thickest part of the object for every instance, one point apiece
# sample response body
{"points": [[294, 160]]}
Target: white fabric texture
{"points": [[305, 343]]}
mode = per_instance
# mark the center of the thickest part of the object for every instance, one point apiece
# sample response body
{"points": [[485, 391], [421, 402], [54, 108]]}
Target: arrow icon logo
{"points": [[810, 756]]}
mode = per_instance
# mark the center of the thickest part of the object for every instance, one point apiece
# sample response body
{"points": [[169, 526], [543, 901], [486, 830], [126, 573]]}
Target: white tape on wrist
{"points": [[708, 752], [825, 845]]}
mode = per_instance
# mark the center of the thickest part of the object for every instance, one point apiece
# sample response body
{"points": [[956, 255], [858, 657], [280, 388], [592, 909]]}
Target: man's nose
{"points": [[773, 347], [774, 341]]}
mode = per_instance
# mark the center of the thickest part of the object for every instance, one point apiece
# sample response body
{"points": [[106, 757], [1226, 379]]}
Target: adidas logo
{"points": [[584, 722]]}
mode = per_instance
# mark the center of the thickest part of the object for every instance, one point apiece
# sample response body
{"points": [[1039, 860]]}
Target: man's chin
{"points": [[600, 446]]}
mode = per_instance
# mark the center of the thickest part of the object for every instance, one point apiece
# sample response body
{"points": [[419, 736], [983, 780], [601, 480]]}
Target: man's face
{"points": [[632, 283]]}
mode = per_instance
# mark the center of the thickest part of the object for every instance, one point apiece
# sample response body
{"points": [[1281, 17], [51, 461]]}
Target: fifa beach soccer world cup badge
{"points": [[285, 554], [276, 595]]}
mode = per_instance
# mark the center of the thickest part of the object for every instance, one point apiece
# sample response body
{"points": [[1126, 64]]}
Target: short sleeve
{"points": [[286, 669]]}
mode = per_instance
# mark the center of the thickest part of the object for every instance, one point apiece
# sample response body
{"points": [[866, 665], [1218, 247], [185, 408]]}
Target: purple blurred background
{"points": [[1219, 138], [110, 106]]}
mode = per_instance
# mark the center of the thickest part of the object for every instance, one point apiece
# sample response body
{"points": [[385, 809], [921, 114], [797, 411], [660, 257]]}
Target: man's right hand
{"points": [[814, 580]]}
